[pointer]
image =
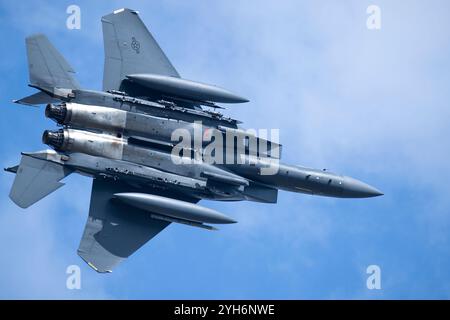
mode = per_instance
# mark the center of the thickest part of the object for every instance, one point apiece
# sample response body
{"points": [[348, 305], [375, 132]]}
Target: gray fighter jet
{"points": [[123, 137]]}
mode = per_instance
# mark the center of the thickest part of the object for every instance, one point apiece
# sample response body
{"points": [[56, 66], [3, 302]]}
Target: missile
{"points": [[173, 208], [191, 90]]}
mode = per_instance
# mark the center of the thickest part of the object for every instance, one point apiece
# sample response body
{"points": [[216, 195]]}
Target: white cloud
{"points": [[34, 252]]}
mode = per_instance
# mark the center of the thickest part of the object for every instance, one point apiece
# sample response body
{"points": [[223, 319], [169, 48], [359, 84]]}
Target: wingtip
{"points": [[90, 264], [125, 10]]}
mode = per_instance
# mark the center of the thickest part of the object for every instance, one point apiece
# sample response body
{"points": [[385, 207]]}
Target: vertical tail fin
{"points": [[130, 48], [47, 67]]}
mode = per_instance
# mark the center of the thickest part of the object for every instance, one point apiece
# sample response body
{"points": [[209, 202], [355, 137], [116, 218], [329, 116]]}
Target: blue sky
{"points": [[370, 104]]}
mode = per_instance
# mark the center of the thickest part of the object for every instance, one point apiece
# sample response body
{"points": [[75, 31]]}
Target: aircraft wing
{"points": [[129, 49], [114, 230]]}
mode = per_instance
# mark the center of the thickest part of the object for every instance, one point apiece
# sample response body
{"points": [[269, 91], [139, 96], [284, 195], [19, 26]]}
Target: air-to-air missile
{"points": [[146, 140]]}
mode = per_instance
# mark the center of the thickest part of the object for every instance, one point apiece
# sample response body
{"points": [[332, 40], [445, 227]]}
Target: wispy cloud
{"points": [[35, 254]]}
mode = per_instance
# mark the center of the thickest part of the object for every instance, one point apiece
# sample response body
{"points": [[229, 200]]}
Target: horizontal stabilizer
{"points": [[35, 179], [12, 169], [37, 99]]}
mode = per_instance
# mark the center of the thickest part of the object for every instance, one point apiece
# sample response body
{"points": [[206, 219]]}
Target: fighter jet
{"points": [[123, 138]]}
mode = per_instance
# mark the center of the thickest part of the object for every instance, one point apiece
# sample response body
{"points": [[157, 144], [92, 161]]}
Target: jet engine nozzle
{"points": [[56, 112], [55, 139]]}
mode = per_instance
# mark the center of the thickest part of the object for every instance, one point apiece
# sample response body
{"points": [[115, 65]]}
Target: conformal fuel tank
{"points": [[187, 89], [173, 208]]}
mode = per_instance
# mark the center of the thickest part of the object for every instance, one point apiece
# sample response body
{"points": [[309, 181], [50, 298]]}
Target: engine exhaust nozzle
{"points": [[56, 112], [54, 139]]}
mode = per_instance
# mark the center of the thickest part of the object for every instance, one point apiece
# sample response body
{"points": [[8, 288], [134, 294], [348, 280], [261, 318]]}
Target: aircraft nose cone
{"points": [[354, 188]]}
